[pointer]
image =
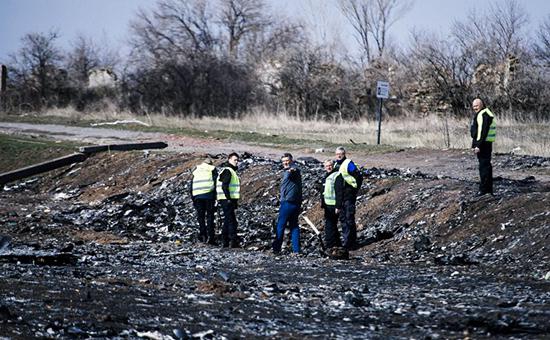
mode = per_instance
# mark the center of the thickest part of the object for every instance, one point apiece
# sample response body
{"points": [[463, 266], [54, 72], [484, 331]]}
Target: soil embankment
{"points": [[108, 248]]}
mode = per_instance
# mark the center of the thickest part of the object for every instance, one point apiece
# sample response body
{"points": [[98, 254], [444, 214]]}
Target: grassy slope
{"points": [[17, 152]]}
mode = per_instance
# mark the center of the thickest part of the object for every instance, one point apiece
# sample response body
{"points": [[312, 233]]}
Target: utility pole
{"points": [[3, 80], [382, 92]]}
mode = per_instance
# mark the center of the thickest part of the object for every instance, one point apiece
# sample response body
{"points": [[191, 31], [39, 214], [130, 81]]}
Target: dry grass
{"points": [[521, 137]]}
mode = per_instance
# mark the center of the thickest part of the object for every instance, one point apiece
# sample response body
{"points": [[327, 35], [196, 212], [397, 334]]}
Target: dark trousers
{"points": [[229, 230], [332, 236], [349, 229], [205, 214], [485, 168], [288, 215]]}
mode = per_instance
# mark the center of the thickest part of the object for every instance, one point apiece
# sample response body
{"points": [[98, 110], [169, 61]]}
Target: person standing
{"points": [[228, 188], [328, 203], [346, 187], [291, 201], [483, 132], [203, 193]]}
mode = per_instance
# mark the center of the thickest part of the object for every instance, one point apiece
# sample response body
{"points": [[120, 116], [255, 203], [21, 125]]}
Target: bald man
{"points": [[483, 132]]}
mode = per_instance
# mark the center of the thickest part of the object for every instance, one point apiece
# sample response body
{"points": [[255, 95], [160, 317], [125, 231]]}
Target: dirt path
{"points": [[459, 164]]}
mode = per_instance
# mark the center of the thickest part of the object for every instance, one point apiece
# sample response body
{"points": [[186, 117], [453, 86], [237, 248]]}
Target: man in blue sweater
{"points": [[291, 201]]}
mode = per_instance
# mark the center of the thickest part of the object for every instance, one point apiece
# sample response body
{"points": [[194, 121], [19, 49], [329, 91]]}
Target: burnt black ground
{"points": [[140, 287], [108, 249]]}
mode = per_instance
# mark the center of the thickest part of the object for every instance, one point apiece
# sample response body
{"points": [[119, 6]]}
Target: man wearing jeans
{"points": [[291, 201]]}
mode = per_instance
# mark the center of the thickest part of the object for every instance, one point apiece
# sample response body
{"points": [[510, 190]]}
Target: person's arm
{"points": [[356, 173], [322, 192], [352, 168], [294, 174], [191, 187], [473, 131], [339, 191]]}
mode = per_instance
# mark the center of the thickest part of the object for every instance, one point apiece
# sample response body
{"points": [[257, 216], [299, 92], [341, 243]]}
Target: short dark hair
{"points": [[233, 154], [287, 155]]}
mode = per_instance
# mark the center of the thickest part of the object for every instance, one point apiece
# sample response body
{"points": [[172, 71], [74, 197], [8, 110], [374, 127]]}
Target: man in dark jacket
{"points": [[291, 201], [346, 187], [203, 193], [228, 187], [483, 132]]}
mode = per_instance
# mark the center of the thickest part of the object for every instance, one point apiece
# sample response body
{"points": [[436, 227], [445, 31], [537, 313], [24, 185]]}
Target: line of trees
{"points": [[228, 57]]}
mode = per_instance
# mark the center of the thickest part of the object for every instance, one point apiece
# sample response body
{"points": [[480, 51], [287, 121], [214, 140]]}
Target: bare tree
{"points": [[36, 67], [358, 14], [372, 19], [493, 36], [240, 18], [175, 29], [542, 45], [273, 41], [442, 73], [87, 55], [83, 57], [383, 15]]}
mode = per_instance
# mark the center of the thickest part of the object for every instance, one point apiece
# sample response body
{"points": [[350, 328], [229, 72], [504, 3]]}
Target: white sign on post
{"points": [[382, 89]]}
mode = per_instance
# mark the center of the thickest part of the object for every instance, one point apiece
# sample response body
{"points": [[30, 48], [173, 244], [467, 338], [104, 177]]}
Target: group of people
{"points": [[209, 186], [338, 194]]}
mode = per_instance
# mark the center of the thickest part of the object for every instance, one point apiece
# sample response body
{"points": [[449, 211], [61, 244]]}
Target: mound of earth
{"points": [[115, 236]]}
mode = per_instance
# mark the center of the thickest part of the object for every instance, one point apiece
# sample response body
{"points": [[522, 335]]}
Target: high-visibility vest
{"points": [[329, 194], [234, 186], [491, 135], [203, 183], [347, 177]]}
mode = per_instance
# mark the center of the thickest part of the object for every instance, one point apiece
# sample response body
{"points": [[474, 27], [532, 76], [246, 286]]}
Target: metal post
{"points": [[379, 119]]}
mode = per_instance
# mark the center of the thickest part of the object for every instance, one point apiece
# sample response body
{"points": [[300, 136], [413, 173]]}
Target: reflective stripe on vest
{"points": [[329, 194], [203, 183], [491, 135], [234, 186], [347, 177]]}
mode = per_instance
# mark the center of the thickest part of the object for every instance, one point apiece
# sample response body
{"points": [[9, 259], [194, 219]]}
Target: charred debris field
{"points": [[108, 248]]}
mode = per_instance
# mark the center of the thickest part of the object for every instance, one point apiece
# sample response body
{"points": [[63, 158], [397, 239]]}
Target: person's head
{"points": [[477, 105], [207, 160], [340, 153], [233, 159], [329, 165], [286, 159]]}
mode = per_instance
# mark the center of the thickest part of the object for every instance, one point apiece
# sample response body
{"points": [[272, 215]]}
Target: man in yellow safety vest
{"points": [[203, 193], [347, 186], [228, 192], [483, 132]]}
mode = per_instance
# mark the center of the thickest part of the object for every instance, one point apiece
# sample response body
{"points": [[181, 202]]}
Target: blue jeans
{"points": [[288, 214]]}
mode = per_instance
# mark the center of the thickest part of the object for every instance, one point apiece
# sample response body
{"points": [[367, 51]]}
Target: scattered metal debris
{"points": [[110, 250]]}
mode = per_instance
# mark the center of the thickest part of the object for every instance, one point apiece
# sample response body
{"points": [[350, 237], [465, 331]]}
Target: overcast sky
{"points": [[107, 20]]}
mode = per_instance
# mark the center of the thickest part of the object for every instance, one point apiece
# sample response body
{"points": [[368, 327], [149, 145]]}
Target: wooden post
{"points": [[3, 81], [39, 168]]}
